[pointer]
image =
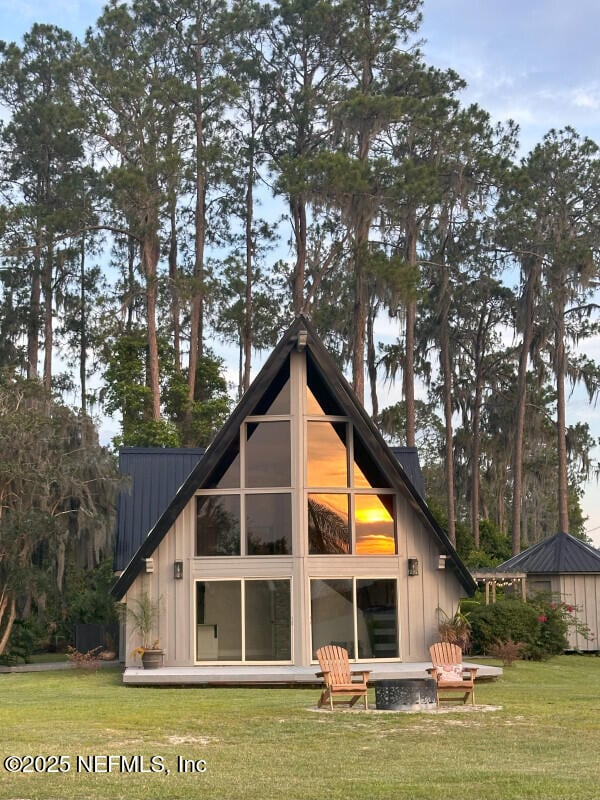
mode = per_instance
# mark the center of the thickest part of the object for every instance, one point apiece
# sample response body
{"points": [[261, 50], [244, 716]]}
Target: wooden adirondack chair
{"points": [[451, 676], [340, 682]]}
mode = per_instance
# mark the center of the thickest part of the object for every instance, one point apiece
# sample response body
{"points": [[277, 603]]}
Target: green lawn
{"points": [[263, 744], [46, 658]]}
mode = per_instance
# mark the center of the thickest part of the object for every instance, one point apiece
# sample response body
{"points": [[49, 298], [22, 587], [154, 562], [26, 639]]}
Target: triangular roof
{"points": [[319, 360], [559, 553]]}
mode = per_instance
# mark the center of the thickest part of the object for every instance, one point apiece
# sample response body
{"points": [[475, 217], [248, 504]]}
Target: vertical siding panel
{"points": [[568, 595], [591, 611], [581, 591]]}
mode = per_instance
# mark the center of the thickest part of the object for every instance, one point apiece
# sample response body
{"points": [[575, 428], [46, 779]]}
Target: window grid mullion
{"points": [[243, 616], [355, 620]]}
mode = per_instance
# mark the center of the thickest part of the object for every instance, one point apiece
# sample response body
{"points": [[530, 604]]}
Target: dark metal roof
{"points": [[559, 553], [320, 360], [155, 475], [408, 457]]}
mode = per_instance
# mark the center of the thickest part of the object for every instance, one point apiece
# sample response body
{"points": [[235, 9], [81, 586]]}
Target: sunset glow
{"points": [[375, 545]]}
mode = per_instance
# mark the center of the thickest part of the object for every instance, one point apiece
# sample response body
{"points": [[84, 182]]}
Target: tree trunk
{"points": [[173, 279], [362, 225], [561, 427], [33, 321], [197, 313], [12, 613], [298, 211], [247, 323], [475, 452], [48, 319], [83, 339], [150, 256], [371, 357], [240, 366], [531, 286], [445, 367], [479, 353], [409, 356], [359, 320]]}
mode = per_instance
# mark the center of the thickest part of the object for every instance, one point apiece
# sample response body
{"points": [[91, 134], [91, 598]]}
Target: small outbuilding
{"points": [[298, 527], [569, 569]]}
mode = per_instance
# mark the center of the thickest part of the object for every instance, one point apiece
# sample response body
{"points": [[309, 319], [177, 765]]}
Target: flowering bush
{"points": [[555, 619], [542, 624]]}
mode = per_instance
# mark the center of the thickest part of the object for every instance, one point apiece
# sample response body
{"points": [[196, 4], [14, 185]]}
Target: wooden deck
{"points": [[266, 675]]}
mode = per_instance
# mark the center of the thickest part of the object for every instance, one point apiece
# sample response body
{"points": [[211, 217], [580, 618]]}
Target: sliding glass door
{"points": [[359, 614], [243, 620]]}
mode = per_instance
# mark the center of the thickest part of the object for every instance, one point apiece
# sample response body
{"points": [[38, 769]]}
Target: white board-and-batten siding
{"points": [[419, 597]]}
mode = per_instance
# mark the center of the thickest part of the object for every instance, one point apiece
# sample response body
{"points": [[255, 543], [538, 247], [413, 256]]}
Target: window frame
{"points": [[354, 579], [351, 490], [242, 580], [244, 490]]}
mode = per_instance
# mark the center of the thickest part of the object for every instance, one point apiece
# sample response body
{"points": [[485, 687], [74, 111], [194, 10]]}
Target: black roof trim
{"points": [[365, 427]]}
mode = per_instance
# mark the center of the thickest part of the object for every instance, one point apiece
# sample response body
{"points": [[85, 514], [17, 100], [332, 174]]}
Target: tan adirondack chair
{"points": [[340, 682], [454, 681]]}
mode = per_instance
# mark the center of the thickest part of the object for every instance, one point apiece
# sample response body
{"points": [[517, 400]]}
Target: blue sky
{"points": [[534, 61]]}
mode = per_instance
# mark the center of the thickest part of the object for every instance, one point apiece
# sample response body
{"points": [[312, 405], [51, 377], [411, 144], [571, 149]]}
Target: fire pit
{"points": [[406, 694]]}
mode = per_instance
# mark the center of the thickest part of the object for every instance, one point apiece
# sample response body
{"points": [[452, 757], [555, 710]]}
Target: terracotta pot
{"points": [[152, 659]]}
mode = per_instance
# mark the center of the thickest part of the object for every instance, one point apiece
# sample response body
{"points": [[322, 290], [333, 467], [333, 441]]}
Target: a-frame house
{"points": [[297, 527]]}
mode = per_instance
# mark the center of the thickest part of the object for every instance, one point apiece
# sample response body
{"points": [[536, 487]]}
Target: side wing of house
{"points": [[296, 530]]}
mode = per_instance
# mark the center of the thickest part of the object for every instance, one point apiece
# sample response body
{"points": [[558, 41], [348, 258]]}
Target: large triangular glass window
{"points": [[350, 501]]}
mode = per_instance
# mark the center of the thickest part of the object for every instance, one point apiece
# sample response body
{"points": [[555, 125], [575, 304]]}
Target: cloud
{"points": [[534, 63], [588, 98]]}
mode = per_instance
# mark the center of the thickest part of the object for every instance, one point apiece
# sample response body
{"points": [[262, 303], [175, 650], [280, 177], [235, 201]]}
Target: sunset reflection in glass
{"points": [[312, 404], [327, 458], [374, 524], [328, 530]]}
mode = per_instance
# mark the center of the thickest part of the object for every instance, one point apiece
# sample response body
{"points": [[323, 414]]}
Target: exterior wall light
{"points": [[149, 564], [442, 562], [178, 570], [413, 566], [301, 341]]}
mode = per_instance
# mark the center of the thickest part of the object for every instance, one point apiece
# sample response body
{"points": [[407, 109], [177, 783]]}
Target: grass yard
{"points": [[267, 744]]}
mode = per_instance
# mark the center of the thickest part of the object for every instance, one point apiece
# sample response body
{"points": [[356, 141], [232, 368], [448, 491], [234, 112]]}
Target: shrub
{"points": [[540, 623], [504, 620], [508, 651], [22, 642], [555, 618]]}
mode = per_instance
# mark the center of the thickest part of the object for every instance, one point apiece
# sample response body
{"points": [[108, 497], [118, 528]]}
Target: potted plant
{"points": [[456, 629], [142, 613]]}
